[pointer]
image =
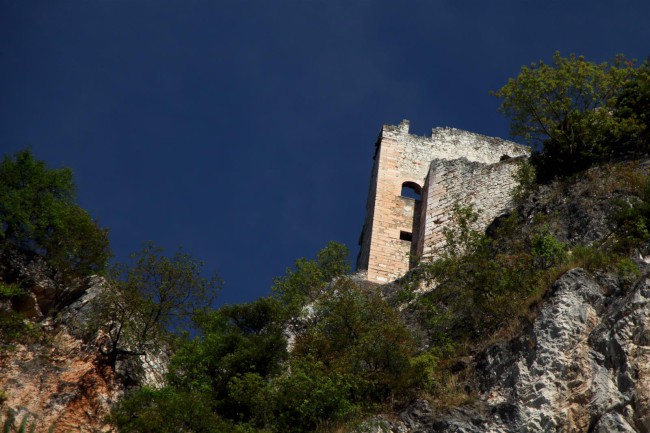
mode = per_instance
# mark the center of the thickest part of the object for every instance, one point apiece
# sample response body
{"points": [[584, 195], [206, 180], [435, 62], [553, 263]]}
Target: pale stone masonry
{"points": [[449, 166]]}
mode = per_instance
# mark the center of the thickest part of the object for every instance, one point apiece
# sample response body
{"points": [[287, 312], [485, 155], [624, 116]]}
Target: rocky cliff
{"points": [[60, 384], [55, 376], [582, 364]]}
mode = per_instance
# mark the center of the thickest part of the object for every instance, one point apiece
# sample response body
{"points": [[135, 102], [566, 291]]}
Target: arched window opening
{"points": [[412, 190], [406, 236]]}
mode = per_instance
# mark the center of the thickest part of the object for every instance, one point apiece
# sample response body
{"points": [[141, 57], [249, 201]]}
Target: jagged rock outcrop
{"points": [[583, 365], [61, 378], [59, 383]]}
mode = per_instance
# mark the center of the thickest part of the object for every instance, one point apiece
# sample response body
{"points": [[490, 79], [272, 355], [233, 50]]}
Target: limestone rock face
{"points": [[59, 384], [62, 380], [583, 365]]}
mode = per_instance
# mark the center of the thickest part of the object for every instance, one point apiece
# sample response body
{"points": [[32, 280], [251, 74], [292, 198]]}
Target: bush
{"points": [[526, 178], [591, 258], [564, 110], [310, 395], [631, 220], [305, 282], [547, 251], [627, 271], [153, 295], [166, 410], [633, 107], [234, 342], [484, 283], [38, 217], [358, 335], [10, 290]]}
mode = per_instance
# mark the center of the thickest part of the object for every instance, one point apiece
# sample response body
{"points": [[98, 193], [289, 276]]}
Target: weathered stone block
{"points": [[451, 165]]}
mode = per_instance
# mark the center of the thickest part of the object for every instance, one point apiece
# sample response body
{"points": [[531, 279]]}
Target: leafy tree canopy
{"points": [[357, 334], [39, 217], [567, 111], [308, 278], [152, 294]]}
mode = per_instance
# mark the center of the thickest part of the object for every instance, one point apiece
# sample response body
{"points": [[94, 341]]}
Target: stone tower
{"points": [[414, 183]]}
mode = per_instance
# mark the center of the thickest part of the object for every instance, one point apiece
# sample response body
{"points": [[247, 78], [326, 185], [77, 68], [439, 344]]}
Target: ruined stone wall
{"points": [[487, 187], [383, 254], [364, 239], [390, 218]]}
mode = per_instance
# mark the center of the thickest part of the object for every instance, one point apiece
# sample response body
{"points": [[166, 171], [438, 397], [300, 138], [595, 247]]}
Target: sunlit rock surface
{"points": [[583, 365], [62, 380]]}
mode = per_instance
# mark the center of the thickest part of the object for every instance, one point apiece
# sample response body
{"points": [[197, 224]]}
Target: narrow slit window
{"points": [[406, 236], [412, 190]]}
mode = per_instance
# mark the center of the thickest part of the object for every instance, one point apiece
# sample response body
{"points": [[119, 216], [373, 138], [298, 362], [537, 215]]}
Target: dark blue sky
{"points": [[244, 130]]}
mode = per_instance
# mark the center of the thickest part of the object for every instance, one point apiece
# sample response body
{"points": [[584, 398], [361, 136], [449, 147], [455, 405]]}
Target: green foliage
{"points": [[15, 328], [306, 281], [333, 260], [627, 271], [631, 220], [310, 395], [526, 178], [547, 251], [10, 290], [565, 109], [239, 369], [38, 216], [9, 423], [256, 394], [425, 366], [461, 237], [482, 284], [153, 293], [233, 342], [633, 107], [360, 336], [22, 428], [167, 410], [591, 258]]}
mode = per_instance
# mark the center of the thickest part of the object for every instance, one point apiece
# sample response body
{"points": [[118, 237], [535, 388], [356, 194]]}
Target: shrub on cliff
{"points": [[39, 217], [633, 106], [350, 354], [154, 294], [357, 334], [573, 112], [484, 283], [305, 282]]}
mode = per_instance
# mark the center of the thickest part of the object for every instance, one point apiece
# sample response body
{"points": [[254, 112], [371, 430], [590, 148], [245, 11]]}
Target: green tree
{"points": [[233, 342], [311, 395], [152, 294], [167, 410], [306, 281], [564, 110], [238, 367], [357, 334], [38, 217], [633, 108], [479, 284]]}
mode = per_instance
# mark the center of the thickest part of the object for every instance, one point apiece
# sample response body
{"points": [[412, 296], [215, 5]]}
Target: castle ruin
{"points": [[414, 185]]}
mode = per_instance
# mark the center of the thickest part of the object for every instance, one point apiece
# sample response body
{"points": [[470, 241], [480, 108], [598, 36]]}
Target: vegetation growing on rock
{"points": [[326, 350], [577, 113], [38, 217]]}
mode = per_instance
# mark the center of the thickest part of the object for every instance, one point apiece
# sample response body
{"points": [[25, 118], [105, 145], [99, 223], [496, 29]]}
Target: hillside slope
{"points": [[582, 363]]}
